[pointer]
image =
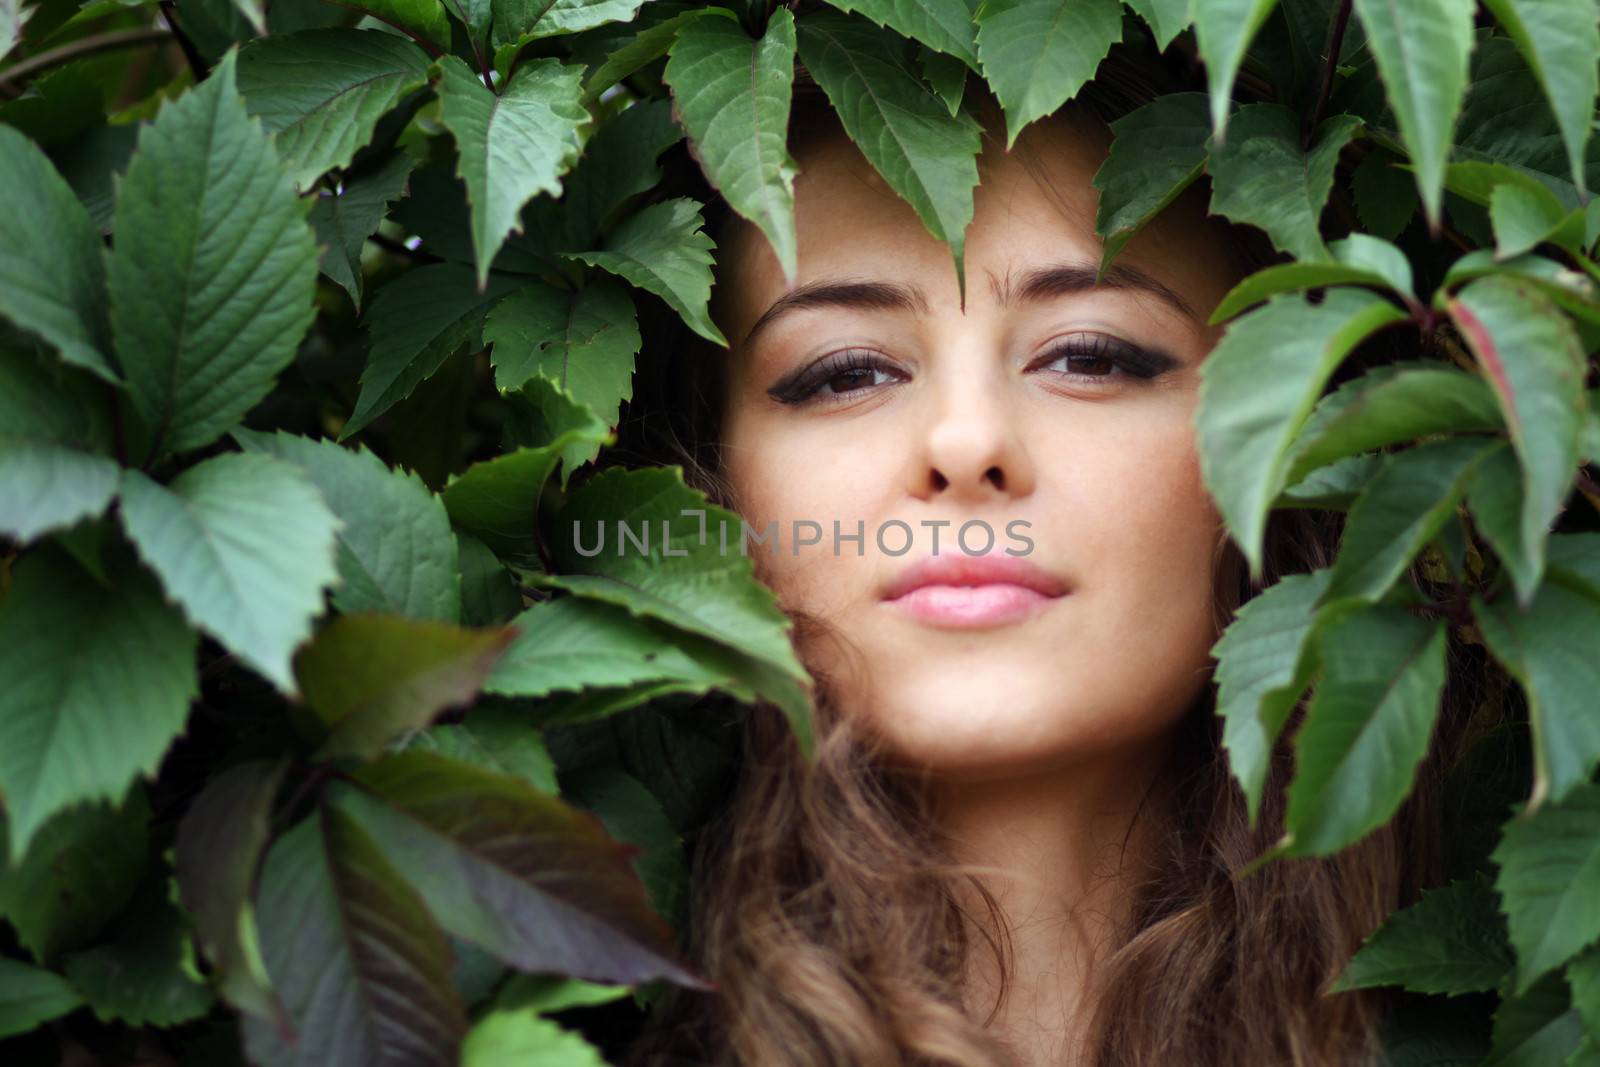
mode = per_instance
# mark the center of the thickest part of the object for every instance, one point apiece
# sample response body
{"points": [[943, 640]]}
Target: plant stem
{"points": [[88, 46], [197, 62], [1341, 19]]}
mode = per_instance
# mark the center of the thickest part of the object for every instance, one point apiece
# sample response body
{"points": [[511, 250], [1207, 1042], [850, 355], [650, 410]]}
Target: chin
{"points": [[978, 724]]}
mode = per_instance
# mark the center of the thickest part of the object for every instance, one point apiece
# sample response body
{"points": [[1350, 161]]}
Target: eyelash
{"points": [[1127, 361]]}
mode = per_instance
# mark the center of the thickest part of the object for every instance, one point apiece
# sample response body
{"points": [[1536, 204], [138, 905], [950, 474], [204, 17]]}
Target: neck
{"points": [[1060, 850]]}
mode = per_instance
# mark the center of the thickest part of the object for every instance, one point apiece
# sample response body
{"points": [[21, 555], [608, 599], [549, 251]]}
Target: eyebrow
{"points": [[1042, 283]]}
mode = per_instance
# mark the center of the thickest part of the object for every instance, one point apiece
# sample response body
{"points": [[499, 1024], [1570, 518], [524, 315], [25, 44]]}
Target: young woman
{"points": [[1020, 842]]}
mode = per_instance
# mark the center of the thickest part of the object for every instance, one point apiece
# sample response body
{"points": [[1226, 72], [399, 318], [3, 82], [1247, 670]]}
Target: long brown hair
{"points": [[836, 924]]}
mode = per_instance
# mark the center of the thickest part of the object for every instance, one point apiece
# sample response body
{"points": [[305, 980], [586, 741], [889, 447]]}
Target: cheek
{"points": [[1146, 535], [789, 478]]}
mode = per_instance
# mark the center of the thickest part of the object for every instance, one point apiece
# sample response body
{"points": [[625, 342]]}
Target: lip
{"points": [[964, 592]]}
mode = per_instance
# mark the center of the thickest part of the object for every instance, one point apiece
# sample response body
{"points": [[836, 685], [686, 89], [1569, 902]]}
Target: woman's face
{"points": [[1053, 411]]}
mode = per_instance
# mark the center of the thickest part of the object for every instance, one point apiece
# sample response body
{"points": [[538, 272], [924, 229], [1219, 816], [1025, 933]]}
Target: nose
{"points": [[973, 445]]}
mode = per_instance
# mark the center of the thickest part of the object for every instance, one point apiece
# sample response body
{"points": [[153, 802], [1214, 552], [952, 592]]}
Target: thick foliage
{"points": [[307, 705]]}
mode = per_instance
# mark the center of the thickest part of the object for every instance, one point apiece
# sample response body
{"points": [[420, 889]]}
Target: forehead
{"points": [[1034, 205]]}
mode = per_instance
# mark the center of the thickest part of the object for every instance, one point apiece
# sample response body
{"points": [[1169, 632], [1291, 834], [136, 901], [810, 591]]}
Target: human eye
{"points": [[1098, 359], [835, 377]]}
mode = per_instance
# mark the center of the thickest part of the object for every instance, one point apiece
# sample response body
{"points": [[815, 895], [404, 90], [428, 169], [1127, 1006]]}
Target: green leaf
{"points": [[1257, 388], [1549, 882], [1560, 41], [76, 874], [1573, 291], [685, 761], [589, 705], [1391, 404], [1265, 661], [662, 249], [1422, 48], [1412, 496], [43, 399], [547, 994], [584, 342], [320, 93], [418, 321], [1385, 193], [1524, 216], [396, 554], [254, 13], [1037, 54], [1356, 260], [1536, 1028], [1496, 499], [514, 145], [1549, 648], [502, 1037], [498, 736], [1367, 728], [541, 415], [732, 96], [1452, 941], [497, 501], [47, 486], [1334, 486], [525, 20], [945, 26], [52, 279], [361, 965], [344, 222], [945, 75], [572, 643], [618, 165], [1166, 18], [218, 849], [31, 996], [426, 17], [488, 593], [145, 975], [475, 17], [633, 815], [98, 685], [1575, 561], [372, 678], [1583, 975], [1476, 180], [14, 16], [697, 579], [1263, 177], [245, 545], [1531, 356], [214, 269], [502, 865], [1224, 29], [90, 164], [927, 156], [645, 47], [1157, 151]]}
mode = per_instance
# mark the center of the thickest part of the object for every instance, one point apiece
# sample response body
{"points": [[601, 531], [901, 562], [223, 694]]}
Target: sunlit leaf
{"points": [[732, 95], [1258, 387], [245, 545]]}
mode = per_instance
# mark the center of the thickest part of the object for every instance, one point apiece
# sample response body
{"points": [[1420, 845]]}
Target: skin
{"points": [[1041, 736]]}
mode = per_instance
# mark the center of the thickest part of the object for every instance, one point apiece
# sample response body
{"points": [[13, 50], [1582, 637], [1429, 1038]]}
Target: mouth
{"points": [[973, 592]]}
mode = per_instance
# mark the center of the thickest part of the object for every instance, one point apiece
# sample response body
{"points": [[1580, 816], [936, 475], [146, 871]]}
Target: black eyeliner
{"points": [[1136, 360], [800, 384]]}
